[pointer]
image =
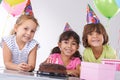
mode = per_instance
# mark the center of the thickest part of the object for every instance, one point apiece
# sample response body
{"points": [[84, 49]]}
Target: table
{"points": [[20, 75]]}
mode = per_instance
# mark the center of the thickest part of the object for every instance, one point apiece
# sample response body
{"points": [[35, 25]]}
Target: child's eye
{"points": [[33, 31], [74, 43], [66, 42], [98, 33], [26, 28], [89, 33]]}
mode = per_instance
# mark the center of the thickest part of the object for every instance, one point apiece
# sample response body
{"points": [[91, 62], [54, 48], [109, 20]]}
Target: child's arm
{"points": [[32, 58], [7, 56], [75, 72], [31, 61]]}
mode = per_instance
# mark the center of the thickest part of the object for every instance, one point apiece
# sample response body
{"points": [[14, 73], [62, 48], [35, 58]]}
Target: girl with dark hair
{"points": [[66, 53]]}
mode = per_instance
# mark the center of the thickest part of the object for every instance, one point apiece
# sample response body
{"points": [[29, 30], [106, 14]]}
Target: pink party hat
{"points": [[91, 16], [67, 27], [28, 8]]}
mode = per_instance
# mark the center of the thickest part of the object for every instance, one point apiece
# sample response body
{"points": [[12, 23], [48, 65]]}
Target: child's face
{"points": [[68, 47], [95, 39], [25, 32]]}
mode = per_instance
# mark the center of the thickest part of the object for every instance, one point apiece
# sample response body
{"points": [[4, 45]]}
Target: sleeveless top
{"points": [[19, 56]]}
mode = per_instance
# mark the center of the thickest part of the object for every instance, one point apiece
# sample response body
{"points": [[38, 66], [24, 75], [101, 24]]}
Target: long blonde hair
{"points": [[22, 19]]}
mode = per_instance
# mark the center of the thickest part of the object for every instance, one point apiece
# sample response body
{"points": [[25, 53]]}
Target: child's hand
{"points": [[49, 60], [73, 73], [24, 67]]}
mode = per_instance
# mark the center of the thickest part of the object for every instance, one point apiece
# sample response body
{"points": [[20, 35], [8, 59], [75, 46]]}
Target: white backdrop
{"points": [[52, 16]]}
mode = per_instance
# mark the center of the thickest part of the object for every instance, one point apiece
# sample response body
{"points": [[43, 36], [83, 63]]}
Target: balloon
{"points": [[14, 2], [108, 8], [118, 3], [14, 10], [0, 1]]}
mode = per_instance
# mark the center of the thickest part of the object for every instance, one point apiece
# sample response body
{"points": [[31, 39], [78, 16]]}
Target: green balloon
{"points": [[0, 1], [108, 8]]}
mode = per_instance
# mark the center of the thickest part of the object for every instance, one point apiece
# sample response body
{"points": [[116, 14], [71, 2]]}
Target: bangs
{"points": [[98, 30], [94, 29], [68, 35]]}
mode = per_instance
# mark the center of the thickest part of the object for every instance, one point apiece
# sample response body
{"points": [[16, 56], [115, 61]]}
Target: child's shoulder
{"points": [[9, 38], [34, 40], [33, 43], [88, 49], [75, 58], [55, 55], [108, 47]]}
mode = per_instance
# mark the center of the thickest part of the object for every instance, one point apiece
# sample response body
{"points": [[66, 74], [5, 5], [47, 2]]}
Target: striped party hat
{"points": [[28, 8], [91, 16], [67, 27]]}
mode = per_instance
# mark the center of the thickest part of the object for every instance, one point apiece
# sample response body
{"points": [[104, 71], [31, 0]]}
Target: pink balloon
{"points": [[14, 10]]}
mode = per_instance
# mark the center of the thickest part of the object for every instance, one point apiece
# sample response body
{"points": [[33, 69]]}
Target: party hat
{"points": [[28, 8], [91, 16], [67, 27]]}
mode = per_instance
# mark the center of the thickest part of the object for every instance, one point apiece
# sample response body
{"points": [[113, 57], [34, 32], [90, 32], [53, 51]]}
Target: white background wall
{"points": [[52, 16]]}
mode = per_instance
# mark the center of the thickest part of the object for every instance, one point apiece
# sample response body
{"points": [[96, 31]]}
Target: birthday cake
{"points": [[54, 69]]}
